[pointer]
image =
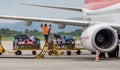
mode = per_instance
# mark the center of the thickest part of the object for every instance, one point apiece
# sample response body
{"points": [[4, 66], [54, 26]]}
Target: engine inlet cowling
{"points": [[61, 26], [100, 37], [104, 38], [28, 23]]}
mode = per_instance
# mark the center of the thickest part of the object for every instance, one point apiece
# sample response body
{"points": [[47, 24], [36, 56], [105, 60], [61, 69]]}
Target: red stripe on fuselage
{"points": [[99, 4], [91, 1]]}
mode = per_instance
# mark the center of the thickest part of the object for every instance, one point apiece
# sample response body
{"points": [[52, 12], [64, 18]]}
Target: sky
{"points": [[14, 8]]}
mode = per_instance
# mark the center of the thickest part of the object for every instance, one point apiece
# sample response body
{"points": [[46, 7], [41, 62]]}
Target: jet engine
{"points": [[99, 37], [28, 23], [61, 26]]}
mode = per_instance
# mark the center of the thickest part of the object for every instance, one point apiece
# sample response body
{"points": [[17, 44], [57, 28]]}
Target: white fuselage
{"points": [[109, 15]]}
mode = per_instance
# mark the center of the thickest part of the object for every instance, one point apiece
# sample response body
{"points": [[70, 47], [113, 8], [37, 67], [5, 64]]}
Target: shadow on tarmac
{"points": [[81, 58], [19, 57], [74, 58]]}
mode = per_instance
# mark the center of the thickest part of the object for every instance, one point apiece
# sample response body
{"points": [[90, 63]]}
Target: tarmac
{"points": [[85, 61]]}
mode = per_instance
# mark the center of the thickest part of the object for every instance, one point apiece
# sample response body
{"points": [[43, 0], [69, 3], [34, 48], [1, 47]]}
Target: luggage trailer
{"points": [[20, 47], [69, 47], [23, 42]]}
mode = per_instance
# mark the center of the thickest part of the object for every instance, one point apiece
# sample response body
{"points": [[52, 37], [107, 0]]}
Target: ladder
{"points": [[55, 50], [43, 51]]}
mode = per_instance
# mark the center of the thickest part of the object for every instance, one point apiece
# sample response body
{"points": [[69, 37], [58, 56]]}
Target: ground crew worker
{"points": [[46, 31]]}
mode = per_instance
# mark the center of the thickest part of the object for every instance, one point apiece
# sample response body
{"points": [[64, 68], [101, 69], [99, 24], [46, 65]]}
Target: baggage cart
{"points": [[22, 42]]}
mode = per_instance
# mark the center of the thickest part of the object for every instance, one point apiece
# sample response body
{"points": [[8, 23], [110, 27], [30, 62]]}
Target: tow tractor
{"points": [[1, 47]]}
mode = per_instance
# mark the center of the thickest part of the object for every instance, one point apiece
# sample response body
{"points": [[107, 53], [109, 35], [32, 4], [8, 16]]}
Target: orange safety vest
{"points": [[45, 30]]}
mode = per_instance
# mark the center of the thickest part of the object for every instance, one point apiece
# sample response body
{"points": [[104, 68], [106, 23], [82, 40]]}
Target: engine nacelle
{"points": [[99, 37], [28, 23], [61, 26]]}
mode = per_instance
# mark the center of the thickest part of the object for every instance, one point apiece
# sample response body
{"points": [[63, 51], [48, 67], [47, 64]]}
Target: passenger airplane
{"points": [[101, 19]]}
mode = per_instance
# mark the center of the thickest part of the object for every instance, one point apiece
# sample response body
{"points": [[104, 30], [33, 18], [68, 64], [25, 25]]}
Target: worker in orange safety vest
{"points": [[46, 31]]}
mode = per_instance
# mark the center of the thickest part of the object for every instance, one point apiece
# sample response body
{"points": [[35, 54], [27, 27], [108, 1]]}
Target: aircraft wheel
{"points": [[111, 54], [68, 52], [33, 52], [93, 53], [114, 53]]}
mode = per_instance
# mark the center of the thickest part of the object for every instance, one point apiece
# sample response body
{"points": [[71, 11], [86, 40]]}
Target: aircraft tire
{"points": [[93, 53]]}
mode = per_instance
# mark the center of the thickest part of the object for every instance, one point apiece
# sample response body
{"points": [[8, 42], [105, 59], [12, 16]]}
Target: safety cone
{"points": [[97, 56]]}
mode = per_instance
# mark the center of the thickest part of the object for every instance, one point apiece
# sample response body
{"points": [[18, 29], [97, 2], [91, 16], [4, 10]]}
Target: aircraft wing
{"points": [[55, 21], [55, 7]]}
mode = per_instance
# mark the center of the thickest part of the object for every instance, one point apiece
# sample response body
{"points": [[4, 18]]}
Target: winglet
{"points": [[55, 7]]}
